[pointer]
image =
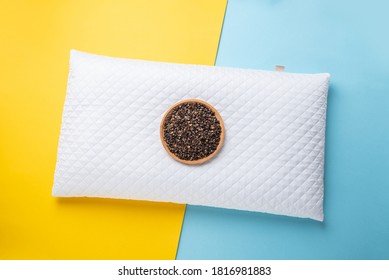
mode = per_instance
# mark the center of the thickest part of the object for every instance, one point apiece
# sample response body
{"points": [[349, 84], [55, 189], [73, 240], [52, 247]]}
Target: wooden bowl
{"points": [[218, 117]]}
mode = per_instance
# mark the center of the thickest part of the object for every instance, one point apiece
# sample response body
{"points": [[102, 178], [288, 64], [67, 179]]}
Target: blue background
{"points": [[348, 39]]}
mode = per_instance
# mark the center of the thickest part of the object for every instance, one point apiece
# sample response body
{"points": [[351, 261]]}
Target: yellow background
{"points": [[35, 39]]}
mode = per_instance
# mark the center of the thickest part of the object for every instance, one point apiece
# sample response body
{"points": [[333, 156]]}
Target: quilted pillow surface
{"points": [[271, 161]]}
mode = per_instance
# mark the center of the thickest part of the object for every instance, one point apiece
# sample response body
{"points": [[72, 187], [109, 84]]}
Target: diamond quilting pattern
{"points": [[273, 155]]}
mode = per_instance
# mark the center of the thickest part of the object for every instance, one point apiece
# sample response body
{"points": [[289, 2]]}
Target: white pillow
{"points": [[273, 153]]}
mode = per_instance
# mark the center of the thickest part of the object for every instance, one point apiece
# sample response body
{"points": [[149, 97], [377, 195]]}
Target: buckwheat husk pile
{"points": [[191, 131]]}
